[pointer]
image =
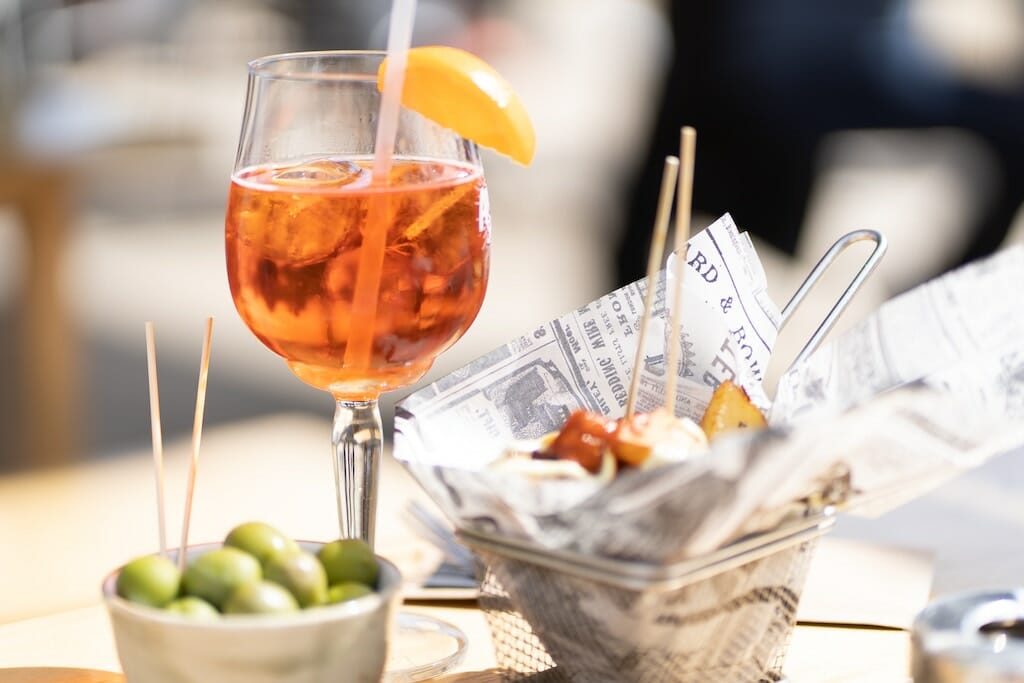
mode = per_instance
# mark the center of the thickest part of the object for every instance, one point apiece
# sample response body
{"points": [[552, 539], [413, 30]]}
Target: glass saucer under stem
{"points": [[422, 648]]}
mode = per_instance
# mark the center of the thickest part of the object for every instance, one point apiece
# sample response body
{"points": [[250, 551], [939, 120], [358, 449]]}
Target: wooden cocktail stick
{"points": [[687, 151], [158, 440], [197, 431], [665, 197]]}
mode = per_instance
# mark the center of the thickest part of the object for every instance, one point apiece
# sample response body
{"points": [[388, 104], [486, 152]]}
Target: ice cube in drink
{"points": [[294, 237]]}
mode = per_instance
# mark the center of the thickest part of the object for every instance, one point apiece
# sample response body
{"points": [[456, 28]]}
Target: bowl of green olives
{"points": [[257, 608]]}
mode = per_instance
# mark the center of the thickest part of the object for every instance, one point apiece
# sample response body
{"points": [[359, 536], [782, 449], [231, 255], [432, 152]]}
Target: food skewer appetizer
{"points": [[594, 445]]}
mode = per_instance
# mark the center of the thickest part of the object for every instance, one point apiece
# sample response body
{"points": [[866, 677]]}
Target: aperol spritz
{"points": [[294, 242], [358, 273]]}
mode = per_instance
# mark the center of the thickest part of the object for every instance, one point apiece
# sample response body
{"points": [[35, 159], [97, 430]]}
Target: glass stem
{"points": [[357, 447]]}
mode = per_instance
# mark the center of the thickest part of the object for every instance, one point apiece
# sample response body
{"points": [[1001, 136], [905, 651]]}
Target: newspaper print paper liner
{"points": [[448, 433], [893, 413]]}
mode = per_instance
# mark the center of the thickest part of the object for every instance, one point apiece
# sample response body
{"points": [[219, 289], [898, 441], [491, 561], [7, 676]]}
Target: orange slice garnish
{"points": [[461, 92]]}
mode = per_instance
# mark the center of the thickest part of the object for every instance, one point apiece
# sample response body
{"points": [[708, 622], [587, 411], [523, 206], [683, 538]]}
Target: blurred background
{"points": [[119, 121]]}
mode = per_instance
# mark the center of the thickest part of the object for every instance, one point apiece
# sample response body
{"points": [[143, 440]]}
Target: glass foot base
{"points": [[422, 648]]}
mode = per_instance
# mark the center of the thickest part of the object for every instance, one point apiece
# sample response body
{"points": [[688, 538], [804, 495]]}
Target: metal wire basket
{"points": [[726, 616]]}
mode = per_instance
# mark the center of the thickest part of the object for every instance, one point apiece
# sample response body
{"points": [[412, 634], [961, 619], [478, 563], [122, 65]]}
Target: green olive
{"points": [[350, 590], [349, 559], [301, 573], [215, 574], [260, 540], [193, 608], [151, 580], [260, 597]]}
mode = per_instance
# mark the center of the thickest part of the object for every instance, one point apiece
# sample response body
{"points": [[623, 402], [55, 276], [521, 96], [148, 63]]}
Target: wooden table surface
{"points": [[82, 639], [62, 530]]}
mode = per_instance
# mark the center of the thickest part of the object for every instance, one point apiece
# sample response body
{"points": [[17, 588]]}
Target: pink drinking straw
{"points": [[399, 40], [371, 260]]}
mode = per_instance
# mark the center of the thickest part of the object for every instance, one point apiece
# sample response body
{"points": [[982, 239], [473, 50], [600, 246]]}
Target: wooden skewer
{"points": [[687, 152], [197, 430], [667, 194], [158, 440]]}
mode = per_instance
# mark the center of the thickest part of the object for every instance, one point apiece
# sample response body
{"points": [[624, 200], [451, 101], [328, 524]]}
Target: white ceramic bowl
{"points": [[344, 642]]}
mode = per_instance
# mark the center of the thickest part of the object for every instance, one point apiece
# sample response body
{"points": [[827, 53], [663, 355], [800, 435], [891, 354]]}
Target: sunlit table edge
{"points": [[82, 638]]}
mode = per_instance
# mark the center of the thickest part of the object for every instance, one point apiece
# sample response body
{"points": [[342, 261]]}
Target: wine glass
{"points": [[357, 279]]}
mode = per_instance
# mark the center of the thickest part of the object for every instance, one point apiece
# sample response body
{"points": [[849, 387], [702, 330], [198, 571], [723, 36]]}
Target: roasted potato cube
{"points": [[730, 409], [638, 436]]}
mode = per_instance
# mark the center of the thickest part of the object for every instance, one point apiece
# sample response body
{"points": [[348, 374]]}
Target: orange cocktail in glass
{"points": [[294, 236], [357, 268], [355, 263]]}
